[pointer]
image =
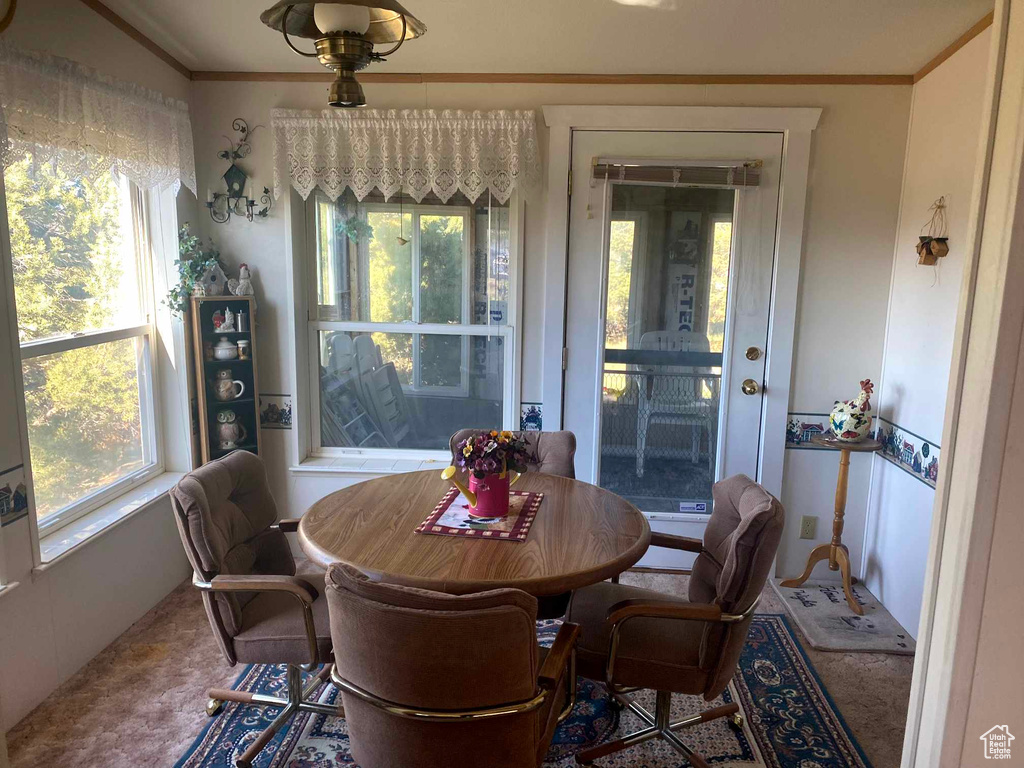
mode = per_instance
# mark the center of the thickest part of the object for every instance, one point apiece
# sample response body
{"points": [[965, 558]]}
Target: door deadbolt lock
{"points": [[753, 353], [749, 387]]}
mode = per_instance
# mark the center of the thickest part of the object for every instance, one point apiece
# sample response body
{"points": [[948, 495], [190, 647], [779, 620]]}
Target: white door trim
{"points": [[987, 343], [796, 124]]}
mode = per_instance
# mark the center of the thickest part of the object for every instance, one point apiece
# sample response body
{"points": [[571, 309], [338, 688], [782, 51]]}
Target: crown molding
{"points": [[524, 78], [955, 46], [138, 36]]}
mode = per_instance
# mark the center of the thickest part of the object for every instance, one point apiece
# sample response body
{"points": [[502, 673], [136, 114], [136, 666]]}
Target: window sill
{"points": [[54, 546], [360, 465], [6, 589]]}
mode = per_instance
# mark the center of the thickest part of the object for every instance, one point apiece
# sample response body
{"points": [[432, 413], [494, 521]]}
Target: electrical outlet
{"points": [[808, 525]]}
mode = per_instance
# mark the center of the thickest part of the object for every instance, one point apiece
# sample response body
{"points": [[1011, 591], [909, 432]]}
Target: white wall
{"points": [[57, 619], [942, 152], [854, 188], [857, 161]]}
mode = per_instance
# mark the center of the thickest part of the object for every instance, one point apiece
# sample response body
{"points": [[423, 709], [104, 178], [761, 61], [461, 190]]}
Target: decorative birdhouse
{"points": [[235, 178]]}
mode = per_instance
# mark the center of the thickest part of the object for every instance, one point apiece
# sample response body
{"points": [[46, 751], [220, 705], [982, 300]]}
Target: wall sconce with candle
{"points": [[238, 199]]}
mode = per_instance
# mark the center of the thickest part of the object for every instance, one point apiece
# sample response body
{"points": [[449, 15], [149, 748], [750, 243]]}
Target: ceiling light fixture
{"points": [[344, 33]]}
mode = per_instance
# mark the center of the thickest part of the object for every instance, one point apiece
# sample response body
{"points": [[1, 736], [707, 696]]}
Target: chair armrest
{"points": [[624, 610], [559, 656], [662, 609], [298, 588], [288, 525], [670, 541], [294, 585]]}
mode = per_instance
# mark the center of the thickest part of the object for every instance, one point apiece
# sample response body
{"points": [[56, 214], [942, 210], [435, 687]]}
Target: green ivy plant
{"points": [[193, 262], [355, 229]]}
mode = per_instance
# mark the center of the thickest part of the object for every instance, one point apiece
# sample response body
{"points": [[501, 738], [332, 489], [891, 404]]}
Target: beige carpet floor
{"points": [[140, 702]]}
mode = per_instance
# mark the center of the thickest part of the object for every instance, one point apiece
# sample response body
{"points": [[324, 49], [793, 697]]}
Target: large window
{"points": [[411, 331], [83, 307]]}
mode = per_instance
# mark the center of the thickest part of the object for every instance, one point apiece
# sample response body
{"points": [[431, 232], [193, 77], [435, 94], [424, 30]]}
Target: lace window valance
{"points": [[412, 151], [60, 111]]}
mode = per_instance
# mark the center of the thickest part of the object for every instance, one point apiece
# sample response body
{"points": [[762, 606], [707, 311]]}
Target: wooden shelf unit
{"points": [[246, 407]]}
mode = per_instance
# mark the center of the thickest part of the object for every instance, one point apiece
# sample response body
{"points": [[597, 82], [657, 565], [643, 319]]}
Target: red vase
{"points": [[491, 495]]}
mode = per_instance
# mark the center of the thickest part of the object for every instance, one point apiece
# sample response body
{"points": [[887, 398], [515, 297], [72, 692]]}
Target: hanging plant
{"points": [[355, 229], [193, 263]]}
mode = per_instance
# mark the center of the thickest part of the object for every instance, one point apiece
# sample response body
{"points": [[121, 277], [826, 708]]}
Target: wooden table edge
{"points": [[552, 585]]}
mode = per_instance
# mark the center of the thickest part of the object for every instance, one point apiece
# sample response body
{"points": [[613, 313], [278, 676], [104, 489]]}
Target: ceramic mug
{"points": [[225, 388]]}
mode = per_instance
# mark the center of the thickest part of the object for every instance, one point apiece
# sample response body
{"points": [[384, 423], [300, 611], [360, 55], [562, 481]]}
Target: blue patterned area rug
{"points": [[791, 721]]}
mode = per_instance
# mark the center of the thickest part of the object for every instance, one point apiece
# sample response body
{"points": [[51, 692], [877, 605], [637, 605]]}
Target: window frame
{"points": [[304, 265], [146, 356], [417, 211], [638, 276]]}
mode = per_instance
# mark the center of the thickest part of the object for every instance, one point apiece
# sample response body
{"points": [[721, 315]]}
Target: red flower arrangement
{"points": [[492, 453]]}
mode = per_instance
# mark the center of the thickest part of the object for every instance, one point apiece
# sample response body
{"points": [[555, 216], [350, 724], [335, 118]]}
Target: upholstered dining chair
{"points": [[431, 679], [261, 611], [553, 452], [636, 638]]}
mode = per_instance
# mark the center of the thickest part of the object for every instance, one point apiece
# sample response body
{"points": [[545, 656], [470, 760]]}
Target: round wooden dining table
{"points": [[581, 535]]}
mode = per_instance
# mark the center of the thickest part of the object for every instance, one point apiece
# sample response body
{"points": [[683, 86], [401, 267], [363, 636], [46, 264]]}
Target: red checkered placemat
{"points": [[451, 518]]}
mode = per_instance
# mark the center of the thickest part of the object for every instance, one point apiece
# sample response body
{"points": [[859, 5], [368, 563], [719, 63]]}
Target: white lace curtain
{"points": [[410, 151], [60, 111]]}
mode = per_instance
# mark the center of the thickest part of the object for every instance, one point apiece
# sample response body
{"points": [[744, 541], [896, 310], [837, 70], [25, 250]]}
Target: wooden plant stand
{"points": [[835, 552]]}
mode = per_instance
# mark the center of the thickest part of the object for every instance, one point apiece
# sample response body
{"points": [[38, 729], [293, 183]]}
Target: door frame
{"points": [[976, 480], [795, 124]]}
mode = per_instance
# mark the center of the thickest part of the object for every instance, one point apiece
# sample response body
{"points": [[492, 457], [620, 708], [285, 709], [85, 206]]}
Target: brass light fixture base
{"points": [[346, 53]]}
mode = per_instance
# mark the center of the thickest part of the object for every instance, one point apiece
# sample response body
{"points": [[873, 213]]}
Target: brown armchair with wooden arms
{"points": [[260, 610], [635, 638], [430, 679]]}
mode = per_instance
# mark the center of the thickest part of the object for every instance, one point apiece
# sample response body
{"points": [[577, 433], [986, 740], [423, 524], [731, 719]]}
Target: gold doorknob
{"points": [[749, 387]]}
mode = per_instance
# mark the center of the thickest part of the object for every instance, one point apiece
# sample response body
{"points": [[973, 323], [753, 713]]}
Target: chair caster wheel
{"points": [[736, 721], [213, 706]]}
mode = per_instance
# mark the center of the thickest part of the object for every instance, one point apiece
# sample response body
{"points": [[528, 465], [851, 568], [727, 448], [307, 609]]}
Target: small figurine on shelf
{"points": [[243, 285], [229, 432], [228, 326], [218, 320], [851, 419]]}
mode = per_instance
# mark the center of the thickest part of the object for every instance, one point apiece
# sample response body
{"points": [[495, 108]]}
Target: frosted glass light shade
{"points": [[334, 17]]}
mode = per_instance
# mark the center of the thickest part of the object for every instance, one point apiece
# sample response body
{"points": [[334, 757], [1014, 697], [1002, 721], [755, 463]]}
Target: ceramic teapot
{"points": [[225, 388], [229, 431]]}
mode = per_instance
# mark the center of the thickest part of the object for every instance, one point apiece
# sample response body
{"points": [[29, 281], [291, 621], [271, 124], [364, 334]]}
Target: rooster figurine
{"points": [[851, 419]]}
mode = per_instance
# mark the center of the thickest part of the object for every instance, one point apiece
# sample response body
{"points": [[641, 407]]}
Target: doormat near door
{"points": [[790, 719], [819, 608], [451, 517]]}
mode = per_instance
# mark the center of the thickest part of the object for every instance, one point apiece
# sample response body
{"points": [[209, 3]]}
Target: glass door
{"points": [[666, 295], [671, 251]]}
